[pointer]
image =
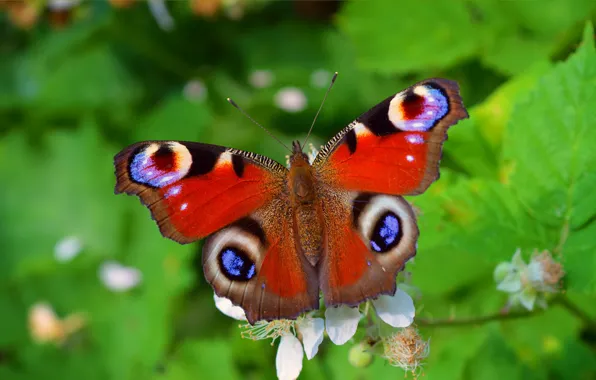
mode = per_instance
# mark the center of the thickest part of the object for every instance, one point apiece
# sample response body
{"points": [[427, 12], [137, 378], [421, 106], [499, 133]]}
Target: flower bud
{"points": [[360, 355]]}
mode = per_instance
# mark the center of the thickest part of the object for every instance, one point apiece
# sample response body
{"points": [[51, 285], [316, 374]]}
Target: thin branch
{"points": [[503, 315], [471, 321], [575, 310]]}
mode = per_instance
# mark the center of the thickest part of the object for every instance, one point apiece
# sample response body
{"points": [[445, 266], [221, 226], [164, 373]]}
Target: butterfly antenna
{"points": [[320, 108], [254, 121]]}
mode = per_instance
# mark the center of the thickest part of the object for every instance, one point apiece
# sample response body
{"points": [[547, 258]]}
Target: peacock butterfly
{"points": [[276, 237]]}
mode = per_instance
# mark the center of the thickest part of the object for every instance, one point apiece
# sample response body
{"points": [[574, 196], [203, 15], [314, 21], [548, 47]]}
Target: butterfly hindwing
{"points": [[255, 264], [195, 189], [395, 147], [369, 238]]}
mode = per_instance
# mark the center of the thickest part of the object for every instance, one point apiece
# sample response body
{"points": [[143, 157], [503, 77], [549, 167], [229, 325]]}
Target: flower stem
{"points": [[454, 322], [506, 315], [576, 311]]}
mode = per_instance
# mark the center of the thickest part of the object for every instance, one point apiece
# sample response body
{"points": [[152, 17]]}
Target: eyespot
{"points": [[236, 264], [234, 253], [160, 164], [419, 108], [385, 223], [386, 233]]}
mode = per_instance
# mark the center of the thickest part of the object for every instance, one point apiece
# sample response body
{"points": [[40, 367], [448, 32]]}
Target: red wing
{"points": [[369, 239], [254, 263], [395, 147], [195, 189]]}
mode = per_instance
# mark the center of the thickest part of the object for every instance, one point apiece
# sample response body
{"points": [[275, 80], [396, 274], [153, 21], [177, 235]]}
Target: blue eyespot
{"points": [[236, 264], [386, 233], [420, 112]]}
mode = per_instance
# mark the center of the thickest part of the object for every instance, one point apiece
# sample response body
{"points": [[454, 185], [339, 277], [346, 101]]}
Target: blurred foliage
{"points": [[79, 83]]}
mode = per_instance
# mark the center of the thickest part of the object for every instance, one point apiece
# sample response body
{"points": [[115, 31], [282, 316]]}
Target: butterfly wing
{"points": [[254, 263], [195, 189], [393, 149], [239, 200], [370, 237]]}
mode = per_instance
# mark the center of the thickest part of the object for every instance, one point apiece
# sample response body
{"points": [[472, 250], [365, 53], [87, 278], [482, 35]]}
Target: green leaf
{"points": [[62, 188], [93, 79], [175, 119], [495, 360], [550, 139], [210, 358], [451, 349], [579, 260], [403, 36]]}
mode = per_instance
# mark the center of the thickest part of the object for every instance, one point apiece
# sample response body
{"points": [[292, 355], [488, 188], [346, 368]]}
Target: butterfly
{"points": [[276, 237]]}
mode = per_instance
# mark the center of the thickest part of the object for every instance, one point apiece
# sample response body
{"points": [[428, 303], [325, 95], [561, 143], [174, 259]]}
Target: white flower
{"points": [[67, 248], [397, 310], [342, 322], [261, 78], [59, 5], [528, 283], [311, 330], [195, 90], [290, 99], [117, 277], [305, 333], [161, 14], [228, 308], [320, 78], [288, 360]]}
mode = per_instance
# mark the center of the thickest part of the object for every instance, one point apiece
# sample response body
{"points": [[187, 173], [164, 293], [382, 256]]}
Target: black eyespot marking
{"points": [[358, 205], [387, 233], [204, 160], [235, 264], [377, 119], [351, 140], [238, 165]]}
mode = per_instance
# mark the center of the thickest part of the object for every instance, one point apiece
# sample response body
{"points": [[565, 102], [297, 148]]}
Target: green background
{"points": [[520, 172]]}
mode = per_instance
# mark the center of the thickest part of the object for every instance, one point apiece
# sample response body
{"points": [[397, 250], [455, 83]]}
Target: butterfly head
{"points": [[298, 157]]}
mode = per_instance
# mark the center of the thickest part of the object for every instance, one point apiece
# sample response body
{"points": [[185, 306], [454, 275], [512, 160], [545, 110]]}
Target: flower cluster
{"points": [[528, 284], [303, 336]]}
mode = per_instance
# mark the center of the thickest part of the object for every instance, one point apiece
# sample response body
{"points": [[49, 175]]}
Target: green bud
{"points": [[360, 356]]}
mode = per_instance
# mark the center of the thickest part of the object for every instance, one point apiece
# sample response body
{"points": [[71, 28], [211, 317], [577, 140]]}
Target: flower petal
{"points": [[527, 298], [228, 308], [67, 248], [119, 278], [311, 330], [535, 273], [397, 310], [289, 358], [502, 270], [517, 260], [341, 323], [511, 283]]}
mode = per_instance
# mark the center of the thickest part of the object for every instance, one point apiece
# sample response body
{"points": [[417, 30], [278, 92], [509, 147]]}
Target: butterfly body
{"points": [[277, 237]]}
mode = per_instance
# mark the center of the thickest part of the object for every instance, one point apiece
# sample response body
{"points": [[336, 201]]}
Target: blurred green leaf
{"points": [[495, 360], [66, 187], [209, 358], [176, 118], [383, 33]]}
